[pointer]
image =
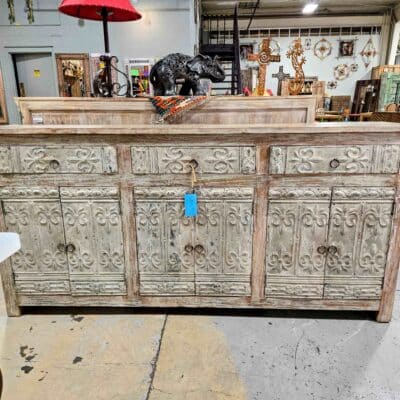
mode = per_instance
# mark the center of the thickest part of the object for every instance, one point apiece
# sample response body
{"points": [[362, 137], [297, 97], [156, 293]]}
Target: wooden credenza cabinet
{"points": [[300, 217]]}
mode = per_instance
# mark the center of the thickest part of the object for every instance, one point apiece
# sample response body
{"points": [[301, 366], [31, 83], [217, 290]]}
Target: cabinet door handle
{"points": [[332, 250], [70, 248], [199, 249], [61, 247], [322, 250], [189, 248], [334, 163], [55, 164]]}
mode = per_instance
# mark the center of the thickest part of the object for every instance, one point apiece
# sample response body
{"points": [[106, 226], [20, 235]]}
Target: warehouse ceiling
{"points": [[279, 8]]}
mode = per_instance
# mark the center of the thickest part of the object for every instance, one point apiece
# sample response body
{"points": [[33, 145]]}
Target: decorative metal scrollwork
{"points": [[104, 86]]}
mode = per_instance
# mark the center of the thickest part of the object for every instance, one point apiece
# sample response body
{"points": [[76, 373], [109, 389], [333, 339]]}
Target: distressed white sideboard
{"points": [[289, 216]]}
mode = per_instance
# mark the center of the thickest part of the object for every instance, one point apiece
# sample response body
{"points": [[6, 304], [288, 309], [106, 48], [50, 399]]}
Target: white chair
{"points": [[9, 244]]}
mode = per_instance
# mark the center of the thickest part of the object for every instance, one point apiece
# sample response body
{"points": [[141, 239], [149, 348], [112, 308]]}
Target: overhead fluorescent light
{"points": [[309, 8]]}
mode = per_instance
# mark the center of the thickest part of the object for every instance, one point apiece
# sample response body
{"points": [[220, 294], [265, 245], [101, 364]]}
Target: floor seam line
{"points": [[157, 356]]}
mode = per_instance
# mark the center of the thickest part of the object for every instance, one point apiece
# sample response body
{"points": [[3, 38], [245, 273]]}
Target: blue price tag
{"points": [[190, 205]]}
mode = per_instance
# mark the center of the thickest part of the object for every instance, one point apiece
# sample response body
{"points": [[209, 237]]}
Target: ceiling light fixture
{"points": [[309, 8]]}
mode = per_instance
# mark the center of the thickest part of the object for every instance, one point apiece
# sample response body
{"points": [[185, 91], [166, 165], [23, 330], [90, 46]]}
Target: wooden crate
{"points": [[381, 69]]}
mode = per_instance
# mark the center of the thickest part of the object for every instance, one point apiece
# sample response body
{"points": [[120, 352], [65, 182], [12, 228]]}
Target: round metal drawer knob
{"points": [[199, 249], [193, 163], [334, 163], [61, 247], [332, 250], [321, 250], [70, 248], [189, 248], [54, 164]]}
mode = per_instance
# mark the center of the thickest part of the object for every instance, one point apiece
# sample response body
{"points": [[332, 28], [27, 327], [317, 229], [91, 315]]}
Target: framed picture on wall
{"points": [[3, 107], [73, 75], [347, 48]]}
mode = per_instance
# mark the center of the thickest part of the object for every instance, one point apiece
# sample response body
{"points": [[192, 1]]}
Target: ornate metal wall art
{"points": [[332, 85], [322, 49], [341, 72], [307, 44], [354, 67], [296, 54], [368, 52]]}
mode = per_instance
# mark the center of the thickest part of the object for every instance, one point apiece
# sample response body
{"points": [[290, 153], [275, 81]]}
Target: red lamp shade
{"points": [[118, 10]]}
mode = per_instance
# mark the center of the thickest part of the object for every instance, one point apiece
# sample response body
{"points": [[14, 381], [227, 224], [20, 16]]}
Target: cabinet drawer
{"points": [[334, 159], [58, 159], [206, 159]]}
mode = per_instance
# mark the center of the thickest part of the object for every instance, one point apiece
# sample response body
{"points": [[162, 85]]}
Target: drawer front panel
{"points": [[44, 287], [58, 159], [176, 160], [92, 287], [335, 159]]}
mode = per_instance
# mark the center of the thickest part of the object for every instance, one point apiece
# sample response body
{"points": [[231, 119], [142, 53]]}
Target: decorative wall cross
{"points": [[281, 76], [264, 57]]}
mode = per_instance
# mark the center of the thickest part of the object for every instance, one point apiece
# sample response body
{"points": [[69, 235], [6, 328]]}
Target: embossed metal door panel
{"points": [[40, 267], [296, 235], [358, 241], [352, 159], [94, 240], [176, 159], [223, 242], [164, 242], [58, 159]]}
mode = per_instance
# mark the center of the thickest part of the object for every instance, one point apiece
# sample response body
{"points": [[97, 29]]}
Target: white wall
{"points": [[167, 26], [324, 69]]}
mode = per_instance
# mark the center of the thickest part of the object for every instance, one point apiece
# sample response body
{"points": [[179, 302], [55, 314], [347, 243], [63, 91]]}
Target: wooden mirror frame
{"points": [[84, 58], [3, 105]]}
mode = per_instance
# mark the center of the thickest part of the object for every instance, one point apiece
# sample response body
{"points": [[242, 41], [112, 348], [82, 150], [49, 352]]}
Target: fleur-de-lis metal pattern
{"points": [[55, 261], [328, 240], [37, 160], [63, 159], [304, 160], [297, 225], [17, 215], [346, 159], [80, 261], [111, 261], [75, 216], [176, 160], [48, 215], [24, 261], [93, 226], [171, 247], [85, 159], [107, 217]]}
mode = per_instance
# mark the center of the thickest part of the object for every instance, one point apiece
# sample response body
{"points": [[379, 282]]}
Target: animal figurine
{"points": [[175, 66]]}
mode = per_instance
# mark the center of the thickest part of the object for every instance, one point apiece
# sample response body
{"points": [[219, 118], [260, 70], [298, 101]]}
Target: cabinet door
{"points": [[296, 233], [40, 267], [164, 242], [94, 240], [223, 242], [358, 241]]}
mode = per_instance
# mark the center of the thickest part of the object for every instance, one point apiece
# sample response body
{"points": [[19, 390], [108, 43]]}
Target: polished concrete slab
{"points": [[194, 355]]}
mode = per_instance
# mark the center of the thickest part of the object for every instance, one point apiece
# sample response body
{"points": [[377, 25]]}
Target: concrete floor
{"points": [[199, 356]]}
